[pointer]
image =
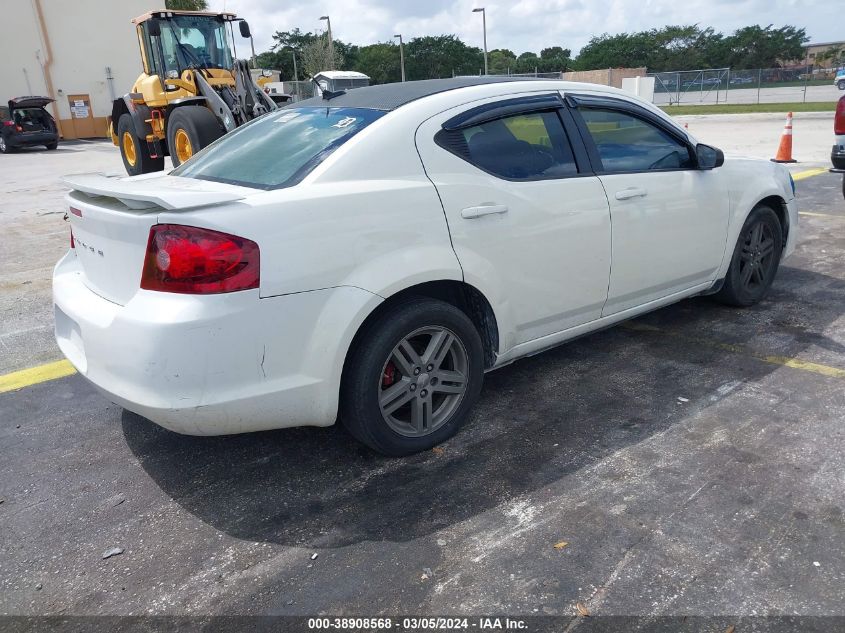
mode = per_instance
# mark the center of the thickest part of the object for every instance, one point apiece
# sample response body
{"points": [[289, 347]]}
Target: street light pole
{"points": [[484, 23], [295, 75], [331, 43], [401, 55]]}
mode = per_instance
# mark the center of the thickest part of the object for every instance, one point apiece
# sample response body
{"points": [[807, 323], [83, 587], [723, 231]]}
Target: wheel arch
{"points": [[139, 113], [778, 205], [186, 101], [461, 295]]}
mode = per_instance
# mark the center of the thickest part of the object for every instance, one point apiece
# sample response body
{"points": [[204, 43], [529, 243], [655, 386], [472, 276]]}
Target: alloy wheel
{"points": [[423, 381], [756, 257]]}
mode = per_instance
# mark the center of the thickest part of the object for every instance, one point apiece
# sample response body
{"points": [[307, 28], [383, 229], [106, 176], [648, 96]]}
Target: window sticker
{"points": [[286, 117], [345, 122]]}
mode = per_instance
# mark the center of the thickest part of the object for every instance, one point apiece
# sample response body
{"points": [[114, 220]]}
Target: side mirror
{"points": [[709, 157], [154, 28], [244, 27]]}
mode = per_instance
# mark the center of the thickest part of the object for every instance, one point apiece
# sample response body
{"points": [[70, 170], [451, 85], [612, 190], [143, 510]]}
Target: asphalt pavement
{"points": [[689, 463]]}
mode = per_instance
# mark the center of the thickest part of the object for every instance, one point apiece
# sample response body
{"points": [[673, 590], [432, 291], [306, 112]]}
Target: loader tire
{"points": [[134, 151], [190, 129]]}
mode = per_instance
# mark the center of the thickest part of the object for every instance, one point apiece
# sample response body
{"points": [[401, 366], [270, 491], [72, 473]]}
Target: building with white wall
{"points": [[82, 53]]}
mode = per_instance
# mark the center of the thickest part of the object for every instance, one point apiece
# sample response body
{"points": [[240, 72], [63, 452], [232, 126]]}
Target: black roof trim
{"points": [[391, 96]]}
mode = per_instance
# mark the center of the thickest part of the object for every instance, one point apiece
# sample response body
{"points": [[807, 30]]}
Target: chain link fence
{"points": [[726, 85]]}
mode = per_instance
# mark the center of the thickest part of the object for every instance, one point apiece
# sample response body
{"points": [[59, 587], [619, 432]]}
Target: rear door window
{"points": [[279, 149], [626, 143], [529, 146]]}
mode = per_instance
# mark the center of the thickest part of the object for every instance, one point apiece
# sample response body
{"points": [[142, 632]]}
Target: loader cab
{"points": [[173, 42]]}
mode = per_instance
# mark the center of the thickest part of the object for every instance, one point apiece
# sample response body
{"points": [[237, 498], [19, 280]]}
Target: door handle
{"points": [[631, 192], [485, 209]]}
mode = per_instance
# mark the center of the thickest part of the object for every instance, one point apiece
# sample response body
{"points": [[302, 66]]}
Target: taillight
{"points": [[9, 123], [191, 260], [839, 118], [72, 244]]}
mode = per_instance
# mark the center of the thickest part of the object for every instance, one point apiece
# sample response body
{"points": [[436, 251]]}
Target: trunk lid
{"points": [[111, 218], [29, 102]]}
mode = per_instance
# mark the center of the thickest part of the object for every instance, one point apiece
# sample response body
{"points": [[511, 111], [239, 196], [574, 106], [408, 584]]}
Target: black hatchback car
{"points": [[25, 123]]}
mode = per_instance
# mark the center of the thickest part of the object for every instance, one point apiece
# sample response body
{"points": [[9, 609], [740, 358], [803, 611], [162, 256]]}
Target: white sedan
{"points": [[369, 256]]}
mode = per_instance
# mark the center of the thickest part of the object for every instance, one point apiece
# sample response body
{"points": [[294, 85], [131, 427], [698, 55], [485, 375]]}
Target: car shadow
{"points": [[39, 149], [538, 420]]}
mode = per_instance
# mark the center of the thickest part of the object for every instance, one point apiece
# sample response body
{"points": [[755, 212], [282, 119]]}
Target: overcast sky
{"points": [[527, 25]]}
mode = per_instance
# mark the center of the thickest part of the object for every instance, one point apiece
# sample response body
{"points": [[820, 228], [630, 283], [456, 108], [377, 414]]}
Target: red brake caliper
{"points": [[389, 375]]}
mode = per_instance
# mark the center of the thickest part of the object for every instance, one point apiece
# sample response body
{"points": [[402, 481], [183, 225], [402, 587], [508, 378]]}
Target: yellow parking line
{"points": [[60, 369], [820, 215], [801, 175], [786, 361], [35, 375]]}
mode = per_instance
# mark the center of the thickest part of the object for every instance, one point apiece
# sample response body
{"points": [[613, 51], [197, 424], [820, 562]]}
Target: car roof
{"points": [[391, 96]]}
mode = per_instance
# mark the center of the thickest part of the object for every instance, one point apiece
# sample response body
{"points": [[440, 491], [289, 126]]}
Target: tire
{"points": [[435, 395], [51, 146], [755, 259], [4, 148], [841, 84], [195, 125], [134, 152]]}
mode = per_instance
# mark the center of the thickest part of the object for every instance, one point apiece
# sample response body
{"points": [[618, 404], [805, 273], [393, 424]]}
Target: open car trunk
{"points": [[32, 120]]}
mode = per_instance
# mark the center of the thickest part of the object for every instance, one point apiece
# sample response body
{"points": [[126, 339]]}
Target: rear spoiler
{"points": [[155, 190]]}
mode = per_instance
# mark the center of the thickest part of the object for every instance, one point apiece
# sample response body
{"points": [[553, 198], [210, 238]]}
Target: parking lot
{"points": [[691, 95], [689, 462]]}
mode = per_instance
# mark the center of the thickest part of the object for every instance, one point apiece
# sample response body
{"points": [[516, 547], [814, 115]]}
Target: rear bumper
{"points": [[46, 138], [214, 364]]}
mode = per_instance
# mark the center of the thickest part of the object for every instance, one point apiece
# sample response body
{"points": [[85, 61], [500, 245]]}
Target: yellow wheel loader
{"points": [[192, 90]]}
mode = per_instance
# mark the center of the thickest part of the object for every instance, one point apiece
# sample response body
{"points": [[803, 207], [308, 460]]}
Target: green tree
{"points": [[436, 56], [380, 62], [693, 47], [501, 61], [833, 56], [607, 51], [555, 52], [186, 5], [758, 47], [318, 56], [527, 62], [287, 44]]}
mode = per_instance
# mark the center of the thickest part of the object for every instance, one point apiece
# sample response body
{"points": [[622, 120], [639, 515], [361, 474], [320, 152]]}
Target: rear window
{"points": [[4, 113], [279, 149]]}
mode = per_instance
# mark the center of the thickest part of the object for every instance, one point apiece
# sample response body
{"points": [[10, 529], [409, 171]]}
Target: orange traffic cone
{"points": [[784, 154]]}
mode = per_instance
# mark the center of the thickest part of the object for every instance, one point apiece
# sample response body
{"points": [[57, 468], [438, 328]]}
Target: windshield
{"points": [[195, 41], [279, 149]]}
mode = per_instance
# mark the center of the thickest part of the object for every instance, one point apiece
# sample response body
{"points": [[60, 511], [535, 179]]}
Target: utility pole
{"points": [[295, 75], [401, 55], [484, 24], [331, 42]]}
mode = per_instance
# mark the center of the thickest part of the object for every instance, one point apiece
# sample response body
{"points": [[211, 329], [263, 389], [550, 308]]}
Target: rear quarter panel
{"points": [[366, 217]]}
